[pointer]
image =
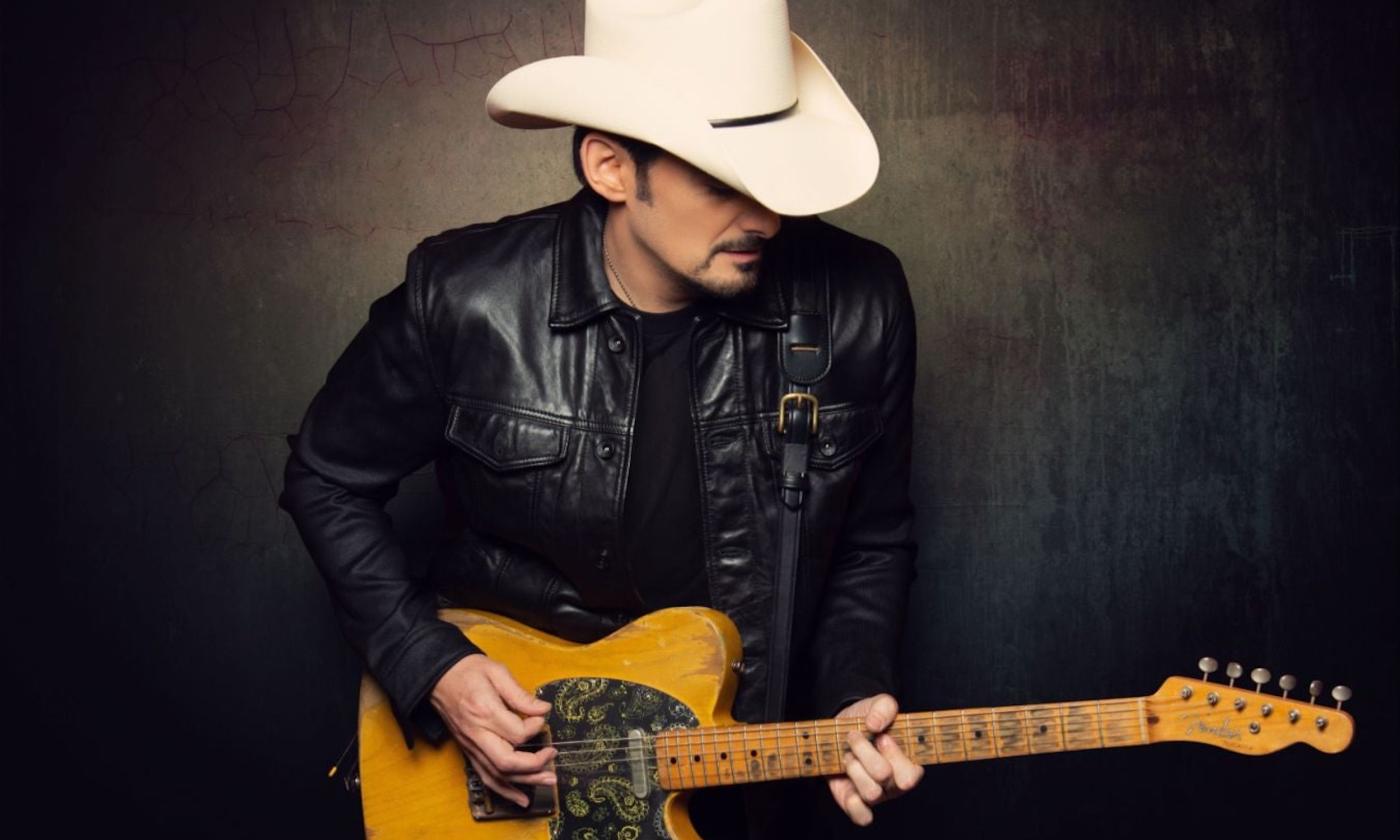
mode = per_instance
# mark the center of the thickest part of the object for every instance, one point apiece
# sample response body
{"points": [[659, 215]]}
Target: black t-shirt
{"points": [[661, 538]]}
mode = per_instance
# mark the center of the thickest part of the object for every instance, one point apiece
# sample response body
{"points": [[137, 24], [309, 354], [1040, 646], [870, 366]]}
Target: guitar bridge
{"points": [[487, 805]]}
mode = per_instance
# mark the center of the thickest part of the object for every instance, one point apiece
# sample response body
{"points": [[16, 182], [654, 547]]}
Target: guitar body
{"points": [[668, 669]]}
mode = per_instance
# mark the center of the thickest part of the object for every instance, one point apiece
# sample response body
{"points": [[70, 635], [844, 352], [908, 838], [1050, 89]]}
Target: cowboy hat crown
{"points": [[722, 84]]}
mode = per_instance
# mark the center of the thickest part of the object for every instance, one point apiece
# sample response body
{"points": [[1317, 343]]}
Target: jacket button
{"points": [[828, 447], [616, 344], [602, 561], [604, 449]]}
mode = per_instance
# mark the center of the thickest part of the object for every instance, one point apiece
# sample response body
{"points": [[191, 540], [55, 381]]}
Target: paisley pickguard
{"points": [[593, 723]]}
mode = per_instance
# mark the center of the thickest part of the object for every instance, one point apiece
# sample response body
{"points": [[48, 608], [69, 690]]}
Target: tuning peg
{"points": [[1287, 682], [1260, 676], [1207, 666], [1233, 671], [1341, 694], [1315, 689]]}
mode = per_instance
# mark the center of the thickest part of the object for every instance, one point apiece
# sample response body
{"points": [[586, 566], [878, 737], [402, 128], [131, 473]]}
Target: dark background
{"points": [[1153, 251]]}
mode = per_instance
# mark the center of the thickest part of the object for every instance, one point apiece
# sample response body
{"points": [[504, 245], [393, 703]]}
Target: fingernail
{"points": [[549, 780]]}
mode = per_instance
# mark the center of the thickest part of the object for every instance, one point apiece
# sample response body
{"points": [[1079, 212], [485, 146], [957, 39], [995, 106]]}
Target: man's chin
{"points": [[725, 288]]}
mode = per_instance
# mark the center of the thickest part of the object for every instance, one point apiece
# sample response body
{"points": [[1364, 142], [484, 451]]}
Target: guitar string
{"points": [[1113, 713], [600, 755]]}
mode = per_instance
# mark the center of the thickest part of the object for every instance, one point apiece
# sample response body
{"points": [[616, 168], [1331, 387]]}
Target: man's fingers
{"points": [[514, 696], [875, 765], [508, 760], [870, 790], [906, 773], [848, 800], [493, 781], [882, 712]]}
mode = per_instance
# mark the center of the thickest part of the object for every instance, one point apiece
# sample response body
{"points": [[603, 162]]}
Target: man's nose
{"points": [[759, 220]]}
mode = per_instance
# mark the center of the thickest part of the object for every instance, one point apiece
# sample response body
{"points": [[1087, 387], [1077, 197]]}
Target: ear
{"points": [[607, 167]]}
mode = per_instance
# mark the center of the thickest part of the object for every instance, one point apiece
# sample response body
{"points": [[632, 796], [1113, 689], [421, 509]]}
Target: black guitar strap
{"points": [[805, 351]]}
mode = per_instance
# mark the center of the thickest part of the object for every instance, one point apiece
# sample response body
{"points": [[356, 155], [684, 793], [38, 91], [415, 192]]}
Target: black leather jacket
{"points": [[505, 357]]}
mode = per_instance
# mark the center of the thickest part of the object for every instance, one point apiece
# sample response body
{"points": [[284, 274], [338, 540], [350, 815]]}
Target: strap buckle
{"points": [[797, 397]]}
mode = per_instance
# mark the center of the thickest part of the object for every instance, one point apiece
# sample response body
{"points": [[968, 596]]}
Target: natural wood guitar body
{"points": [[422, 793]]}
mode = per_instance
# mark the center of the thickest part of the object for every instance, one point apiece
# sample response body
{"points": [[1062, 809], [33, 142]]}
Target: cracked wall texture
{"points": [[1153, 252]]}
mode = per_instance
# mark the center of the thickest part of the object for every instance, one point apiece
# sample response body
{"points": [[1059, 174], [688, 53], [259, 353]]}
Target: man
{"points": [[599, 382]]}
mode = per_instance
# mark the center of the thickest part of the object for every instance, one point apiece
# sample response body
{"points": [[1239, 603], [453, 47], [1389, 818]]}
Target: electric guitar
{"points": [[642, 716]]}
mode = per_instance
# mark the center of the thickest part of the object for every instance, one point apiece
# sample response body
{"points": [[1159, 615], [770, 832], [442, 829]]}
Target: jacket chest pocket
{"points": [[507, 469]]}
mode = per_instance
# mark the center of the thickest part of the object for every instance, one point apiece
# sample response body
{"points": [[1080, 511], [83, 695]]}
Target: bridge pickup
{"points": [[487, 805]]}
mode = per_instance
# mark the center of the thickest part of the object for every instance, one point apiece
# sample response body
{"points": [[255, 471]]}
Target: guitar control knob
{"points": [[1287, 682], [1341, 694], [1315, 689], [1207, 666], [1234, 670], [1261, 677]]}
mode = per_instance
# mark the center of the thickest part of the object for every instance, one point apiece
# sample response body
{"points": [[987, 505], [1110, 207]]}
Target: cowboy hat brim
{"points": [[815, 157]]}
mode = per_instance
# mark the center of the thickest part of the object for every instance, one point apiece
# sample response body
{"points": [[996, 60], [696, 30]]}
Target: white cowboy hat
{"points": [[721, 84]]}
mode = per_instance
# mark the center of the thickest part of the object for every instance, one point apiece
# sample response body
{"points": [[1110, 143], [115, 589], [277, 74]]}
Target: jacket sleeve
{"points": [[855, 646], [379, 416]]}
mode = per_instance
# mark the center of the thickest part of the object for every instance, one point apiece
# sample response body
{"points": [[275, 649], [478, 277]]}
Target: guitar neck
{"points": [[711, 756]]}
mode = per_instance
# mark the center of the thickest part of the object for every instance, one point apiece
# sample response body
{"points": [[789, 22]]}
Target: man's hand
{"points": [[875, 771], [489, 715]]}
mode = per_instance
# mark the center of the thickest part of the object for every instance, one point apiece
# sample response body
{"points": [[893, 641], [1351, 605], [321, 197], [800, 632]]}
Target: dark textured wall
{"points": [[1153, 251]]}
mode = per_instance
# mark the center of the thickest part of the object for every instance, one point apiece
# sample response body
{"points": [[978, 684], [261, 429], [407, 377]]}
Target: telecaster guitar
{"points": [[643, 716]]}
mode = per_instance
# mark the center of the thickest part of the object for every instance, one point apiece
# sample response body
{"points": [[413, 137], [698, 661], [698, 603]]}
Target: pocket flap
{"points": [[843, 433], [505, 440]]}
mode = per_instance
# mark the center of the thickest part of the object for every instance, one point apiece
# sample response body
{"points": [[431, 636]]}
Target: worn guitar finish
{"points": [[641, 716]]}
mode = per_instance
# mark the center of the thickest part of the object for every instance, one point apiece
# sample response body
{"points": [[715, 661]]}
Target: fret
{"points": [[950, 735], [663, 762], [826, 757], [690, 755], [1099, 709], [1142, 719], [977, 736], [915, 738], [736, 771], [772, 761], [1043, 730], [1080, 736], [1010, 732], [838, 743], [752, 756], [924, 742], [707, 758], [808, 754]]}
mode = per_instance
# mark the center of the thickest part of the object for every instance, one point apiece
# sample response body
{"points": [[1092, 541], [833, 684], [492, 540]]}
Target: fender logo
{"points": [[1222, 731]]}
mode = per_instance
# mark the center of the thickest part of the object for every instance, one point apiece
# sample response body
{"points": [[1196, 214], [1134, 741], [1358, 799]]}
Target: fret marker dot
{"points": [[697, 758], [1043, 729], [753, 753], [673, 759], [977, 733], [724, 756]]}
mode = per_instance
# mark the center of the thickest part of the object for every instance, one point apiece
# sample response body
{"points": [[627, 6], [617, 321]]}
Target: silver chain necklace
{"points": [[620, 284]]}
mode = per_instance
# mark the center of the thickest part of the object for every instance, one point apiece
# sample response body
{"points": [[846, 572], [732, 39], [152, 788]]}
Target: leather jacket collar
{"points": [[580, 290]]}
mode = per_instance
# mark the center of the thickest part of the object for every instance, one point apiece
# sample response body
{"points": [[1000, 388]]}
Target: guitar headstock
{"points": [[1244, 719]]}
